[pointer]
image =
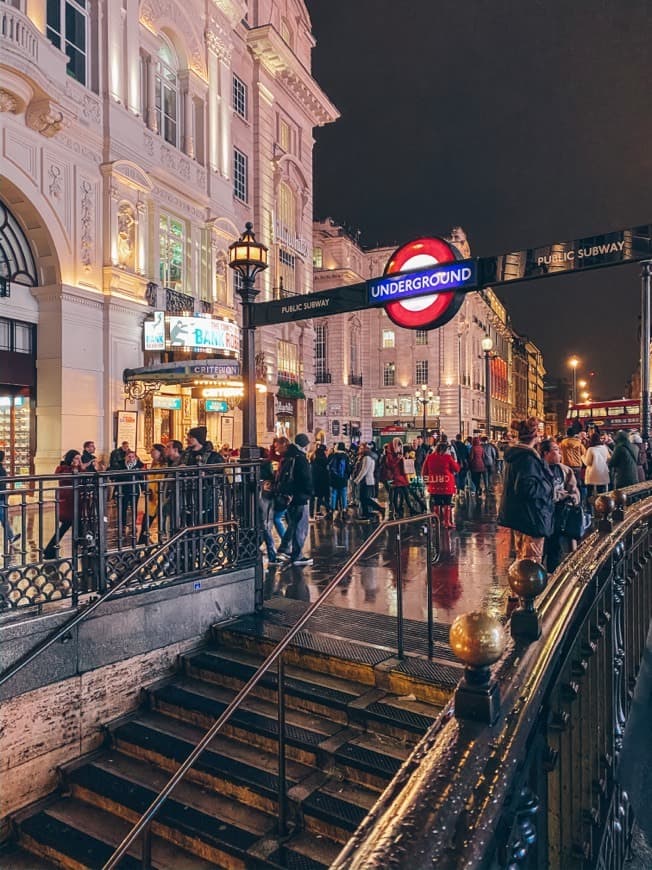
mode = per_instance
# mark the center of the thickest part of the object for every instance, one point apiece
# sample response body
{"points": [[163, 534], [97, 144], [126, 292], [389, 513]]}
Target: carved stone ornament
{"points": [[46, 117], [126, 235], [8, 102], [153, 12], [87, 208]]}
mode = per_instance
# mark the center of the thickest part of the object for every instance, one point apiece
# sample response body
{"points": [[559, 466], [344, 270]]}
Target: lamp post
{"points": [[573, 362], [423, 396], [248, 257], [487, 344]]}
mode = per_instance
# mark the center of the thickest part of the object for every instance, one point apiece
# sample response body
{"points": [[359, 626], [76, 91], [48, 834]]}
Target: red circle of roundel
{"points": [[422, 311]]}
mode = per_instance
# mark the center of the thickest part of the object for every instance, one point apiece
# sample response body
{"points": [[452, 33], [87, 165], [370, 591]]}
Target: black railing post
{"points": [[282, 788], [102, 528], [399, 596], [146, 860], [429, 560]]}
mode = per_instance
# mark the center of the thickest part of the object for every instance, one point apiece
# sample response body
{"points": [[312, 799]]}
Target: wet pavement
{"points": [[471, 573]]}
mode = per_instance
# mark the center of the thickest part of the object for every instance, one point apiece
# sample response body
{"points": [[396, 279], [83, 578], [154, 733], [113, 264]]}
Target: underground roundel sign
{"points": [[423, 312]]}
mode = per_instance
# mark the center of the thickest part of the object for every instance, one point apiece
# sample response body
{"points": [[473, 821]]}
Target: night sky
{"points": [[525, 122]]}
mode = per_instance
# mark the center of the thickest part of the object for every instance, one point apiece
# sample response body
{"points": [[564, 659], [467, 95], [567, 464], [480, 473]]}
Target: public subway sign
{"points": [[414, 289]]}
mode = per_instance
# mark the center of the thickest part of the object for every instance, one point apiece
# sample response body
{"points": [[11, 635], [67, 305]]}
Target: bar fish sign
{"points": [[427, 264]]}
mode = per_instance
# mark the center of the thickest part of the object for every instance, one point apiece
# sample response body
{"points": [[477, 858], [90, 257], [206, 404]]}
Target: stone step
{"points": [[314, 692], [73, 834], [205, 824]]}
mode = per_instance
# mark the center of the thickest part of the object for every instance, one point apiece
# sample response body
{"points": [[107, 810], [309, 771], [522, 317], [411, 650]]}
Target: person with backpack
{"points": [[462, 451], [294, 486], [339, 472], [476, 464], [490, 457]]}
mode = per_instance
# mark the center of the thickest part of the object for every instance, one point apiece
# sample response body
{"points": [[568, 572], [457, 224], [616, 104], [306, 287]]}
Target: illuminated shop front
{"points": [[17, 395]]}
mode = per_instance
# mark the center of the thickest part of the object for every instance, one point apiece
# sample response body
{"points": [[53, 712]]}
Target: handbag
{"points": [[572, 521]]}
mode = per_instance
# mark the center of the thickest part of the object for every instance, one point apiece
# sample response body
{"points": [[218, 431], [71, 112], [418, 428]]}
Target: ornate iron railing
{"points": [[80, 533], [539, 787]]}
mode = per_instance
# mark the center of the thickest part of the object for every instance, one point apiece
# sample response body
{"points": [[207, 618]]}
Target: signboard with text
{"points": [[203, 333]]}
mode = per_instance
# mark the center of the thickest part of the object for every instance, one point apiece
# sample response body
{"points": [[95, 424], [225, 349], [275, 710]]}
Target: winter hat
{"points": [[341, 445], [527, 429], [302, 440], [199, 432]]}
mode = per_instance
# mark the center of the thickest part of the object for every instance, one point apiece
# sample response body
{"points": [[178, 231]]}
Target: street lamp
{"points": [[487, 345], [573, 362], [582, 385], [248, 257], [423, 396]]}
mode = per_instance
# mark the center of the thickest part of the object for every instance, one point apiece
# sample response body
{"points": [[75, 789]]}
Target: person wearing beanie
{"points": [[339, 472], [527, 502], [294, 485], [199, 452]]}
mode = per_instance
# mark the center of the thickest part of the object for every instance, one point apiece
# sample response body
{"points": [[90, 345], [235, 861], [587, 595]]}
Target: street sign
{"points": [[424, 310], [430, 262]]}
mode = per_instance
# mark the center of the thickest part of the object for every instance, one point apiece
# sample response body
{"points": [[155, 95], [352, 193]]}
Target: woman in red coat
{"points": [[400, 485], [439, 472], [70, 464]]}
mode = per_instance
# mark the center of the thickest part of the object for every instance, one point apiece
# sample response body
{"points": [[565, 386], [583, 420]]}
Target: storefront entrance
{"points": [[17, 395]]}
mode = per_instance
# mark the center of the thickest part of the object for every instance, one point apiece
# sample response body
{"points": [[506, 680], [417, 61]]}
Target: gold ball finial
{"points": [[604, 505], [477, 639], [527, 578], [620, 498]]}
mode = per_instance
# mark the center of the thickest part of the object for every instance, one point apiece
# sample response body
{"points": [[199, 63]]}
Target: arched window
{"points": [[287, 207], [167, 93], [16, 260]]}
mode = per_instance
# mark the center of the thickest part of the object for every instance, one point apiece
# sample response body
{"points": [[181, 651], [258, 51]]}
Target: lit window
{"points": [[5, 334], [167, 94], [317, 258], [389, 374], [391, 407], [321, 350], [389, 338], [321, 404], [239, 97], [172, 240], [22, 338], [355, 406], [67, 29], [405, 406], [288, 361], [240, 175], [377, 407], [354, 348], [422, 336], [422, 372]]}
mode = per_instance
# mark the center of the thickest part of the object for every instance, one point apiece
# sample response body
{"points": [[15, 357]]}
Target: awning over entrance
{"points": [[184, 372]]}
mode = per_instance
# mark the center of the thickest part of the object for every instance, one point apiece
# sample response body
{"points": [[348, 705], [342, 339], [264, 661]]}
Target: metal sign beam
{"points": [[465, 276]]}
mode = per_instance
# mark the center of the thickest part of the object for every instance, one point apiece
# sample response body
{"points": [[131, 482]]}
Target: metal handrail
{"points": [[145, 820], [40, 647]]}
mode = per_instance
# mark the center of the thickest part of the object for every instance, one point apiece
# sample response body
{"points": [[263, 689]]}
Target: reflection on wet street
{"points": [[471, 573]]}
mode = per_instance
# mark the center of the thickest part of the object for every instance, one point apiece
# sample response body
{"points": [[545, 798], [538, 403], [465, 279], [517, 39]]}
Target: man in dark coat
{"points": [[201, 506], [527, 503], [623, 462], [294, 484]]}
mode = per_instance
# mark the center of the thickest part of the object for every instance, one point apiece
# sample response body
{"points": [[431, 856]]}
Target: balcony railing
{"points": [[21, 38], [355, 380], [323, 378]]}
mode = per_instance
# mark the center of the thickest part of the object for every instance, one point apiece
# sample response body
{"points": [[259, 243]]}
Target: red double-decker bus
{"points": [[608, 416]]}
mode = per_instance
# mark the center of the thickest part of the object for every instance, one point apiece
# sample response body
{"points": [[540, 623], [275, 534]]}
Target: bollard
{"points": [[478, 640], [527, 580], [620, 500], [604, 505]]}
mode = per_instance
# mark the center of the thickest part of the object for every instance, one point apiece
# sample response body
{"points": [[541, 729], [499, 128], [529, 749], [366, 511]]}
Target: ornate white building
{"points": [[137, 138], [368, 370]]}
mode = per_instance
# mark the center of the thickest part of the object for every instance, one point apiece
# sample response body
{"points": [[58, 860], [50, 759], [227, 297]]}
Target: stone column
{"points": [[152, 120]]}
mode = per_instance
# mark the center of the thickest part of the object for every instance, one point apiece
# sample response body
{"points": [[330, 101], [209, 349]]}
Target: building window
{"points": [[16, 336], [405, 406], [67, 28], [389, 338], [422, 336], [377, 407], [389, 374], [240, 175], [239, 97], [391, 408], [355, 406], [288, 361], [287, 207], [421, 371], [287, 272], [167, 94], [172, 242], [321, 405], [284, 136], [321, 351], [317, 258], [354, 348]]}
